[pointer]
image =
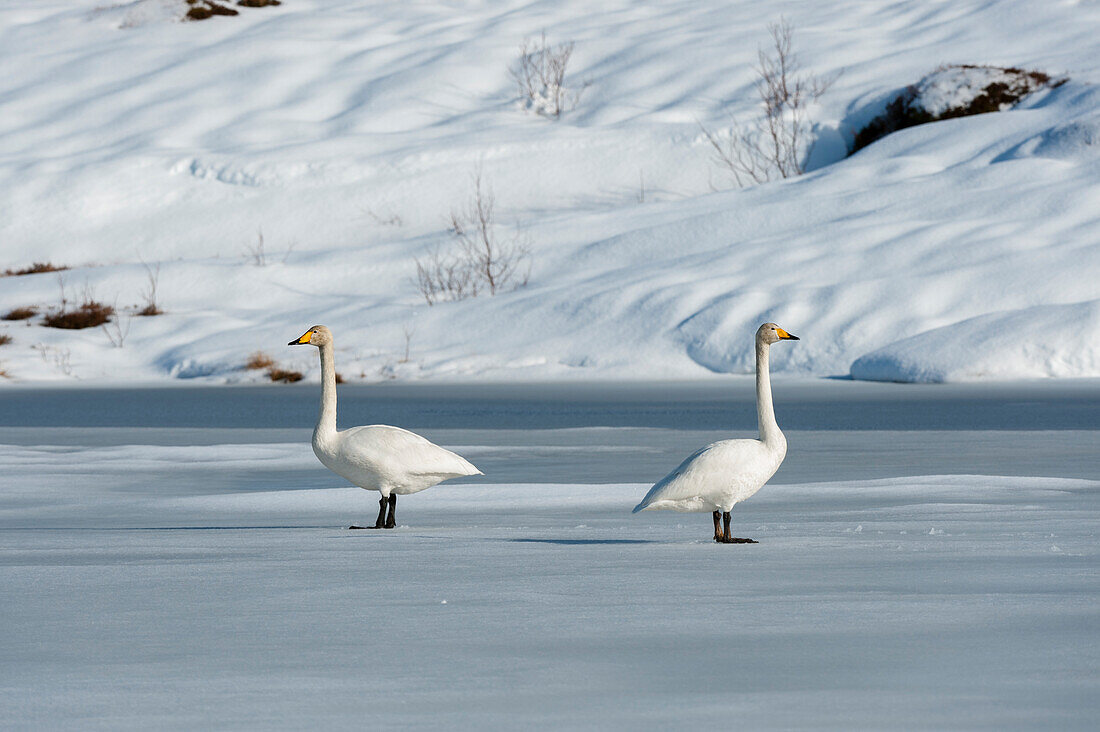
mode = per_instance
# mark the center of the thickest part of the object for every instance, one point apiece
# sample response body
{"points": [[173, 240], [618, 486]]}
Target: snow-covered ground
{"points": [[199, 576], [961, 602], [346, 131]]}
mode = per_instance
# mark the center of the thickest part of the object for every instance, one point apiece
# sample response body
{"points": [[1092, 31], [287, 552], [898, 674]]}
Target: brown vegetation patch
{"points": [[36, 268], [905, 110], [89, 315], [259, 360], [19, 314], [150, 309], [257, 3], [5, 339], [281, 375]]}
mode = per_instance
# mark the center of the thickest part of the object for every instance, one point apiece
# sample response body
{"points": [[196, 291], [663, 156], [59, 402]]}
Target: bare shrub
{"points": [[60, 357], [19, 314], [774, 144], [36, 268], [441, 278], [484, 261], [90, 313], [149, 294], [5, 339], [498, 263], [539, 72]]}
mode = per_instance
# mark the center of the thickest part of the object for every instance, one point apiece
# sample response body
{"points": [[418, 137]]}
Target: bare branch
{"points": [[115, 331], [392, 220], [255, 252], [408, 330]]}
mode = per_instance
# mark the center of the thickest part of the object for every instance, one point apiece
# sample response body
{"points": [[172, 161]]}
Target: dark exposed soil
{"points": [[905, 109], [203, 9]]}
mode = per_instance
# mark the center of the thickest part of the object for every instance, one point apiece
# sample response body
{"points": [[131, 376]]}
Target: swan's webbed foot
{"points": [[391, 519], [724, 537]]}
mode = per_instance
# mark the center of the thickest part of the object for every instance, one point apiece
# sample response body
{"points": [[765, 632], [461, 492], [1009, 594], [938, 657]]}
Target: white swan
{"points": [[390, 460], [727, 472]]}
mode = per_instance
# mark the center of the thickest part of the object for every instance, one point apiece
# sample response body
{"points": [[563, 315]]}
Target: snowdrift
{"points": [[1038, 342], [128, 138]]}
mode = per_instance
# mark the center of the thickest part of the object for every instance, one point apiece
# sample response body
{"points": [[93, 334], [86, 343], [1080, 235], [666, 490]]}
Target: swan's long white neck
{"points": [[326, 420], [765, 413]]}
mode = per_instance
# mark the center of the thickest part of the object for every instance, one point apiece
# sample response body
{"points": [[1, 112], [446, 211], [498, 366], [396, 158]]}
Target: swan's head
{"points": [[771, 333], [318, 336]]}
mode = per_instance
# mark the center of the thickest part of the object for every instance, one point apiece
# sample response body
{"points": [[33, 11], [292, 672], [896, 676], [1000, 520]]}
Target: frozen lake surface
{"points": [[178, 558]]}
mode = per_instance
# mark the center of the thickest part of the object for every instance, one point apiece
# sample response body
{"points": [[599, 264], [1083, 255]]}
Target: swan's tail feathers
{"points": [[465, 467], [653, 495]]}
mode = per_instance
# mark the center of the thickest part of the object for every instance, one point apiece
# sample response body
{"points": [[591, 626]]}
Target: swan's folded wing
{"points": [[445, 462], [679, 485], [409, 451]]}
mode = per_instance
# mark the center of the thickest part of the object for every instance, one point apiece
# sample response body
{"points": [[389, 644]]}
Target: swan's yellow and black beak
{"points": [[785, 336], [303, 341]]}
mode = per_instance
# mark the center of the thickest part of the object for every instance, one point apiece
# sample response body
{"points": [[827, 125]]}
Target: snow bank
{"points": [[1038, 342], [127, 137]]}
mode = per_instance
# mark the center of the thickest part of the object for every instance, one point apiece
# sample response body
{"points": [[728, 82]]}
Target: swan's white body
{"points": [[387, 459], [725, 473], [377, 457]]}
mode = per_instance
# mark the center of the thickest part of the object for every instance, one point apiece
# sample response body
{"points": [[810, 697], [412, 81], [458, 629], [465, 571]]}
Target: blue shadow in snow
{"points": [[582, 542]]}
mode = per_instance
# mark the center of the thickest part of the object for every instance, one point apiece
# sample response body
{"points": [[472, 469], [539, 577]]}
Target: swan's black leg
{"points": [[380, 521], [726, 538], [391, 518], [717, 531]]}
